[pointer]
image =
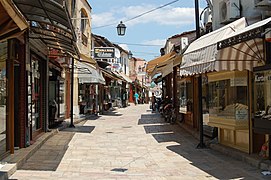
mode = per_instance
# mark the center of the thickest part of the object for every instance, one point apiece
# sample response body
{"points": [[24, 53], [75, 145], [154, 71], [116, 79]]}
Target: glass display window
{"points": [[228, 97], [262, 94], [185, 95], [3, 97]]}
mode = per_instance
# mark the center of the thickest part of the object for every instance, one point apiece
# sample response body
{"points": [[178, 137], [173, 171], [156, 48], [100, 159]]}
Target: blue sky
{"points": [[152, 29]]}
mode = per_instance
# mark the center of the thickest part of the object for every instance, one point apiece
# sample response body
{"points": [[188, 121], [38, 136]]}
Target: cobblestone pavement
{"points": [[130, 144]]}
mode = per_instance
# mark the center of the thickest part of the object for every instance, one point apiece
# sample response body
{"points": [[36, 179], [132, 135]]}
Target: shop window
{"points": [[3, 97], [185, 96], [228, 99], [262, 101]]}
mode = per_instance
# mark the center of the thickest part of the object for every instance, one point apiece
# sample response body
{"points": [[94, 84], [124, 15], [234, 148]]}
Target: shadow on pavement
{"points": [[208, 160], [80, 129], [150, 119], [111, 113], [49, 156]]}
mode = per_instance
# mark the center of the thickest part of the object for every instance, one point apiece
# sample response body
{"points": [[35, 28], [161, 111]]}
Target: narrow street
{"points": [[132, 143]]}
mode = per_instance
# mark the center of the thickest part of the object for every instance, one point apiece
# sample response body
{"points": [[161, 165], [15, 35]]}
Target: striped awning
{"points": [[166, 67], [204, 55], [88, 74]]}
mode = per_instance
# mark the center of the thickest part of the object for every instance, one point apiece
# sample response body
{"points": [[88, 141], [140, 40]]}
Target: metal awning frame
{"points": [[50, 22]]}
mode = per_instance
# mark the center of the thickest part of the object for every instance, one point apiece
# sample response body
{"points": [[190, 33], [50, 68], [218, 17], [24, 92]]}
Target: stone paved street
{"points": [[130, 144]]}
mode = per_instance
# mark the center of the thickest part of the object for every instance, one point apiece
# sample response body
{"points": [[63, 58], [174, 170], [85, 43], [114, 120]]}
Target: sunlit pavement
{"points": [[130, 144]]}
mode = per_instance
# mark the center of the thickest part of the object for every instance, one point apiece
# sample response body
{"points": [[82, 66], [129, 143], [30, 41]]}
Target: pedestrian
{"points": [[136, 98], [153, 101]]}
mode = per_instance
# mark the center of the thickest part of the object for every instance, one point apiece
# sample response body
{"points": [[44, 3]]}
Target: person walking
{"points": [[136, 96], [153, 101]]}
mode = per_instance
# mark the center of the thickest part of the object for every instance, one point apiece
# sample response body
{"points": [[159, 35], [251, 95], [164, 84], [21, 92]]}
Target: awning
{"points": [[88, 74], [50, 22], [248, 43], [103, 64], [12, 22], [166, 67], [87, 59], [125, 77], [151, 64], [202, 55], [110, 74]]}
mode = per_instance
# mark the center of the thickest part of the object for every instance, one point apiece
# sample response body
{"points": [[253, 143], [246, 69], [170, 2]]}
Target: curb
{"points": [[16, 160]]}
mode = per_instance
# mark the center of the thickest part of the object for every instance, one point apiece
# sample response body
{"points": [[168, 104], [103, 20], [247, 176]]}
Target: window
{"points": [[73, 8], [83, 20], [186, 95], [228, 97]]}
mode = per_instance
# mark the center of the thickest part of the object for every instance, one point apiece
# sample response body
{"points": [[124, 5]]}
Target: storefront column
{"points": [[10, 64], [72, 87]]}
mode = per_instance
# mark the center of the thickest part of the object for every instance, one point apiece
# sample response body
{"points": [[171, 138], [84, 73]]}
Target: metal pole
{"points": [[200, 119], [72, 76]]}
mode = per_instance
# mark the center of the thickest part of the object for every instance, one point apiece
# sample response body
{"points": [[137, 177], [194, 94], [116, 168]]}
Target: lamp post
{"points": [[200, 118], [121, 28]]}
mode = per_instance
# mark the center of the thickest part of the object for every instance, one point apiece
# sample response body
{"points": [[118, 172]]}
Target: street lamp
{"points": [[130, 54], [121, 28]]}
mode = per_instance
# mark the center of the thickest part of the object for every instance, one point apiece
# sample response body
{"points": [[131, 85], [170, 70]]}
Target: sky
{"points": [[147, 34]]}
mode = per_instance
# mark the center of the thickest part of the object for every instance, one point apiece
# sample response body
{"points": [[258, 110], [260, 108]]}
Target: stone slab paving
{"points": [[130, 144]]}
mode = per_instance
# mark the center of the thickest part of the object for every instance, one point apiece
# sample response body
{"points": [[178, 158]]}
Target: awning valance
{"points": [[151, 64], [203, 56], [50, 22], [88, 74]]}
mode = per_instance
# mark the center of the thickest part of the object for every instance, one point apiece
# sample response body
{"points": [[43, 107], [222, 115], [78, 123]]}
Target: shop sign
{"points": [[104, 53], [241, 114], [242, 81], [260, 77]]}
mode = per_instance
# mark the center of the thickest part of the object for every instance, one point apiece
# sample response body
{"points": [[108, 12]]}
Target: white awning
{"points": [[202, 55], [126, 78], [88, 74]]}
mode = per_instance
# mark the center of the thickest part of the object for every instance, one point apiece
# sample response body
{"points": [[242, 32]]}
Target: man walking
{"points": [[136, 98]]}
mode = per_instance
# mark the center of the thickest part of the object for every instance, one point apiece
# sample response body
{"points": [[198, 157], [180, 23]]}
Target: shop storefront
{"points": [[224, 69], [228, 107], [3, 98], [262, 108], [90, 81], [55, 94], [36, 102]]}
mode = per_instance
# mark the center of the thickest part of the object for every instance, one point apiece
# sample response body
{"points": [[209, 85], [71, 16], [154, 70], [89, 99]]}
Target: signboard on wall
{"points": [[104, 53]]}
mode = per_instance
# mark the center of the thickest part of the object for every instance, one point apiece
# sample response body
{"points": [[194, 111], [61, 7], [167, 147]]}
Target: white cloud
{"points": [[176, 16], [166, 16], [156, 42], [102, 19]]}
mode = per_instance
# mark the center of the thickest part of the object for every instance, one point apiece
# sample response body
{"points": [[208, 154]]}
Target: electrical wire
{"points": [[132, 44], [140, 15]]}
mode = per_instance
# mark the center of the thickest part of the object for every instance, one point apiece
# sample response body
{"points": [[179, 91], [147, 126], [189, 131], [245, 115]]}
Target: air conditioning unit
{"points": [[229, 10], [207, 17], [184, 42]]}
